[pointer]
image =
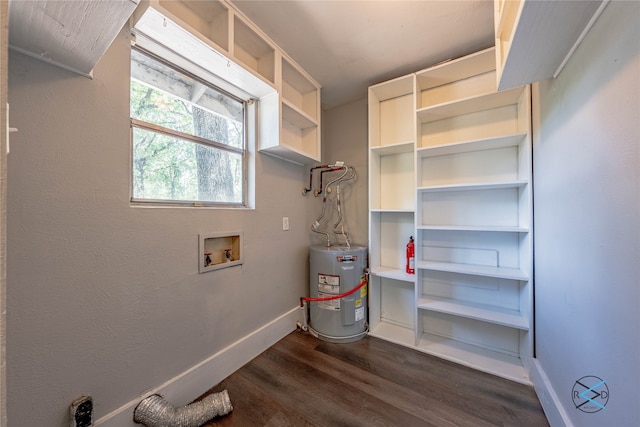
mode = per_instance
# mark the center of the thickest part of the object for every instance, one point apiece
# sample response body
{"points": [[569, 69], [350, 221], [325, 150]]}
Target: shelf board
{"points": [[397, 148], [503, 141], [447, 72], [474, 270], [393, 273], [291, 154], [253, 50], [473, 186], [208, 19], [498, 316], [296, 79], [469, 105], [493, 362], [400, 86], [392, 210], [295, 116], [489, 228], [394, 333]]}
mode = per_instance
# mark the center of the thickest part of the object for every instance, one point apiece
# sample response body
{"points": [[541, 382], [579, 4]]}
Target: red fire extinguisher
{"points": [[411, 257]]}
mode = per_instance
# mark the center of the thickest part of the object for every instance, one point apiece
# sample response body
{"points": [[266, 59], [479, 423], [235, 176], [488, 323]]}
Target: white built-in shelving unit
{"points": [[236, 52], [450, 164], [391, 207]]}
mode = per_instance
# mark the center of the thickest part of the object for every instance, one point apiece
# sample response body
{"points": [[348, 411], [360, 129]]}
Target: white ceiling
{"points": [[349, 45]]}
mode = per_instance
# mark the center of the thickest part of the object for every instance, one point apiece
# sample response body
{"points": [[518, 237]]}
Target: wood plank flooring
{"points": [[303, 381]]}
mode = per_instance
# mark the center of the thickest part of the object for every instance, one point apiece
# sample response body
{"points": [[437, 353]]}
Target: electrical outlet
{"points": [[285, 223], [81, 412]]}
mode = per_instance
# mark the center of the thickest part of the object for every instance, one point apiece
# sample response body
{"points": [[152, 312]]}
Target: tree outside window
{"points": [[188, 138]]}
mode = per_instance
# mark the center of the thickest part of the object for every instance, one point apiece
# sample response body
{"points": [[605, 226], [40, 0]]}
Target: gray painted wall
{"points": [[345, 139], [587, 220], [105, 298]]}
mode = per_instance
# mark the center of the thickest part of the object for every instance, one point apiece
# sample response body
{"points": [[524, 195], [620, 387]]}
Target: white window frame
{"points": [[141, 124], [214, 75]]}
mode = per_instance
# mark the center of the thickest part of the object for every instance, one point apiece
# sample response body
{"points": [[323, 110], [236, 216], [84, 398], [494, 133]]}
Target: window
{"points": [[188, 138]]}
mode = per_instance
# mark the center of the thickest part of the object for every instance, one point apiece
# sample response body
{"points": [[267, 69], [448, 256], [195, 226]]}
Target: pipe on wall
{"points": [[155, 411]]}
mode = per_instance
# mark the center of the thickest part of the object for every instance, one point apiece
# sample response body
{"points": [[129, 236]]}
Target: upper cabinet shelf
{"points": [[210, 19], [252, 50], [296, 138], [236, 53], [299, 90], [534, 39]]}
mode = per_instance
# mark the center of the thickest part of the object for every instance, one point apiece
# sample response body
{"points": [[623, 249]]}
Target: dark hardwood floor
{"points": [[302, 381]]}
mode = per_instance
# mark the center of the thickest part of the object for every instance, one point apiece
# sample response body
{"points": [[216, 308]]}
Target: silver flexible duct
{"points": [[154, 411]]}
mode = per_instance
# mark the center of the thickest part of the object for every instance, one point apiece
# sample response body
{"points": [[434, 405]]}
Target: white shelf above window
{"points": [[253, 50], [237, 56], [210, 18], [158, 30]]}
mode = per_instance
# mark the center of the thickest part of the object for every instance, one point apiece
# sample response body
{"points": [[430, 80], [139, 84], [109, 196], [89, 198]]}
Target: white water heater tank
{"points": [[337, 270]]}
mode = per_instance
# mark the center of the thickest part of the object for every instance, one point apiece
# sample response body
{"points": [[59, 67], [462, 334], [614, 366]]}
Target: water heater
{"points": [[335, 271]]}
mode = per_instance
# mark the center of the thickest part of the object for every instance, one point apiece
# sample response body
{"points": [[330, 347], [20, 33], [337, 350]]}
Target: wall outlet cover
{"points": [[81, 412]]}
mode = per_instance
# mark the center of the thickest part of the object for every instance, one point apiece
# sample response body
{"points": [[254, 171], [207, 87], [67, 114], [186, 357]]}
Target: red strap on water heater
{"points": [[302, 299]]}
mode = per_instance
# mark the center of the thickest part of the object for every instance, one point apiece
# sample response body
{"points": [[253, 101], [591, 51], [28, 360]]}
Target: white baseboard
{"points": [[192, 383], [555, 413]]}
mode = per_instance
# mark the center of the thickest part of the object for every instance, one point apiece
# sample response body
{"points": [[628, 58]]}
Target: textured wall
{"points": [[344, 138], [106, 298], [587, 220]]}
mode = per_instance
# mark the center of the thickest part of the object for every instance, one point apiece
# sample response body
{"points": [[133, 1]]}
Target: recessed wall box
{"points": [[219, 250]]}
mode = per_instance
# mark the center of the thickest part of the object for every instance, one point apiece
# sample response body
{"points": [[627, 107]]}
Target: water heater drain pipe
{"points": [[154, 411]]}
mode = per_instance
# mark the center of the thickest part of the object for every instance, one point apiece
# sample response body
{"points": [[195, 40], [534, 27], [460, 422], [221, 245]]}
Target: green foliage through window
{"points": [[188, 142]]}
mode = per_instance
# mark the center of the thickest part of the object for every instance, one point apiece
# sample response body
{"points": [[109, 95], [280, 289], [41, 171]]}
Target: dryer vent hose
{"points": [[154, 411]]}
